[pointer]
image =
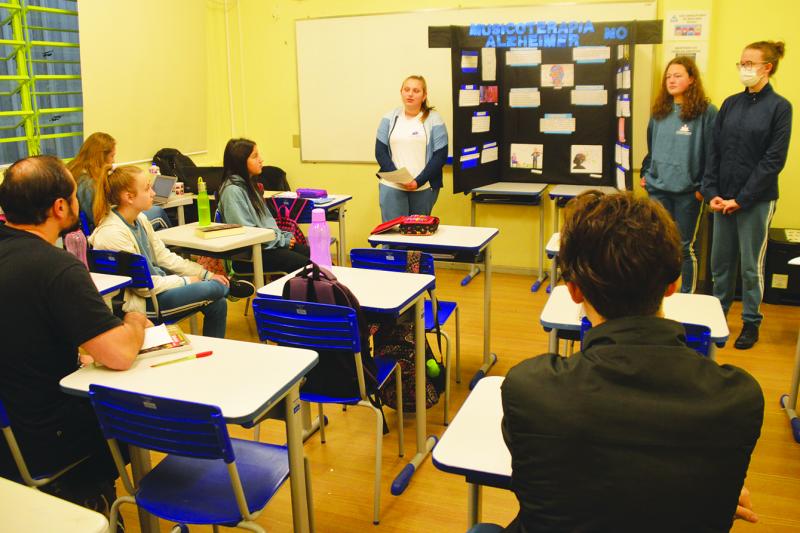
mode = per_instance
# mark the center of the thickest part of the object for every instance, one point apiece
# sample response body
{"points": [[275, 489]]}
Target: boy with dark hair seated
{"points": [[636, 432]]}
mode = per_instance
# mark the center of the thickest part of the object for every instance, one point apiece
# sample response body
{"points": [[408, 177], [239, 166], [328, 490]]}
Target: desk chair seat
{"points": [[206, 478], [163, 492], [328, 329], [397, 261]]}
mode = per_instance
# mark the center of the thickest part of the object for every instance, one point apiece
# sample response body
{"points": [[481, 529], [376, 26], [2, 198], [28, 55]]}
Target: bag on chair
{"points": [[335, 374], [288, 216]]}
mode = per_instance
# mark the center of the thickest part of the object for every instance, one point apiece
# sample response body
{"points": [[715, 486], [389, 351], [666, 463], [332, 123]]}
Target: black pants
{"points": [[278, 260]]}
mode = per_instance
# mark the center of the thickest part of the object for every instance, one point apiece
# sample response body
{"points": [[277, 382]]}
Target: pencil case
{"points": [[311, 193]]}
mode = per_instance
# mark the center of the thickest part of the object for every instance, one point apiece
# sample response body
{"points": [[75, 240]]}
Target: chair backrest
{"points": [[384, 259], [122, 264], [162, 424], [85, 226], [697, 337], [307, 324], [330, 330]]}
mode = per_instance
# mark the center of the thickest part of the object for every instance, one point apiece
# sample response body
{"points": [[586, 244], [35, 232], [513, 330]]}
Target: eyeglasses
{"points": [[749, 64]]}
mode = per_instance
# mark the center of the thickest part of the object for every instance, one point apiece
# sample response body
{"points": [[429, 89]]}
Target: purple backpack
{"points": [[335, 374]]}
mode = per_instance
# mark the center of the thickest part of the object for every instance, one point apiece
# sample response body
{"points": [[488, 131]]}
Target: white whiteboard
{"points": [[349, 70], [143, 66]]}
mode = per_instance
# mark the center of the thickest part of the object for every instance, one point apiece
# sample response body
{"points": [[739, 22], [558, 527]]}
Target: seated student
{"points": [[177, 282], [90, 167], [241, 203], [50, 307], [636, 432]]}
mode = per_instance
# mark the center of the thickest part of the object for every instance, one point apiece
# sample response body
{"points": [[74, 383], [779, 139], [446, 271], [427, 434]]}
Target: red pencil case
{"points": [[410, 225]]}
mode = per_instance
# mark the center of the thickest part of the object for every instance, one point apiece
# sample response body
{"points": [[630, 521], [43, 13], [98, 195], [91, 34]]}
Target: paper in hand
{"points": [[401, 176]]}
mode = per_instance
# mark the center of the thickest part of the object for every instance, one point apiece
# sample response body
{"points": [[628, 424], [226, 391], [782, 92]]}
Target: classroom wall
{"points": [[263, 81]]}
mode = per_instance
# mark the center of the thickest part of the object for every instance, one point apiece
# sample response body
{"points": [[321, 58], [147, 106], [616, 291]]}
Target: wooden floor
{"points": [[342, 469]]}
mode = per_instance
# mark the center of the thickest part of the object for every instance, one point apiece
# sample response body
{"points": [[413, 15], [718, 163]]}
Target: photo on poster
{"points": [[488, 94], [558, 75], [621, 129], [527, 156], [586, 159]]}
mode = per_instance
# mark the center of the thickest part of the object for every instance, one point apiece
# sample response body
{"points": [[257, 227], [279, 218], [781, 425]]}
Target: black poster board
{"points": [[597, 152]]}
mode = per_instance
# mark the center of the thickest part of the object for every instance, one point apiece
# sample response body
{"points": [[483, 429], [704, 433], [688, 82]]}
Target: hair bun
{"points": [[780, 48]]}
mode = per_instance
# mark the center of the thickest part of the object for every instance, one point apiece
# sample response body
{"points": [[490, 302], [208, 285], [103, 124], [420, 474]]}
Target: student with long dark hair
{"points": [[241, 202], [751, 142], [678, 141]]}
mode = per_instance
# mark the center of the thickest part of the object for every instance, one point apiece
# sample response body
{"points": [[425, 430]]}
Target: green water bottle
{"points": [[203, 207]]}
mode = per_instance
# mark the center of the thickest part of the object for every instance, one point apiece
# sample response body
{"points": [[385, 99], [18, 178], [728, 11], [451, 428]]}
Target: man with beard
{"points": [[50, 307]]}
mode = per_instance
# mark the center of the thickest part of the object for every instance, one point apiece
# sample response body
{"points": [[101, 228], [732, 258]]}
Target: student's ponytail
{"points": [[109, 190]]}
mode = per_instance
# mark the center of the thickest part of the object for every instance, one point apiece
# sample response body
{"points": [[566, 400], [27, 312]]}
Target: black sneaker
{"points": [[240, 288], [747, 338]]}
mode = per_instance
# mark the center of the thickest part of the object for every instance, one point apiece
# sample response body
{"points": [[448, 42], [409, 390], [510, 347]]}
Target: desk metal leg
{"points": [[181, 216], [553, 273], [258, 267], [310, 426], [789, 401], [424, 446], [488, 357], [552, 341], [712, 351], [140, 465], [297, 473], [342, 247], [474, 270], [542, 276], [473, 504]]}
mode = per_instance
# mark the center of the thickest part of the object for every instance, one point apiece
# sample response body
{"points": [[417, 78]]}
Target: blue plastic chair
{"points": [[697, 337], [32, 480], [206, 478], [135, 266], [322, 328], [396, 261]]}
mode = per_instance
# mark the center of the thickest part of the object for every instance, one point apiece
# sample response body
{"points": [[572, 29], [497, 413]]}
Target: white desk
{"points": [[463, 244], [244, 379], [472, 445], [109, 283], [184, 237], [27, 509], [789, 401], [561, 313], [335, 211], [509, 193], [178, 201], [379, 291], [552, 248]]}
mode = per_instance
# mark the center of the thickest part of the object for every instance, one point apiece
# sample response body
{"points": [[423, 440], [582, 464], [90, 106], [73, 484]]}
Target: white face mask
{"points": [[749, 76]]}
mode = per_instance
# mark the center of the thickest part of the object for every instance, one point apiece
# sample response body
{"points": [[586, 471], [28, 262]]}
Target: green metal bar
{"points": [[13, 139], [16, 113], [13, 77], [56, 61], [65, 125], [10, 7], [56, 77], [55, 93], [61, 135], [54, 44], [12, 42], [40, 9], [19, 31], [54, 110]]}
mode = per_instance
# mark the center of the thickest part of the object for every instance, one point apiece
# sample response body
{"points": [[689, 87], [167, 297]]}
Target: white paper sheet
{"points": [[488, 64], [524, 97], [626, 77], [469, 97], [489, 153], [480, 122], [523, 57], [557, 124], [589, 95], [156, 336], [469, 61], [591, 54], [621, 179], [401, 175]]}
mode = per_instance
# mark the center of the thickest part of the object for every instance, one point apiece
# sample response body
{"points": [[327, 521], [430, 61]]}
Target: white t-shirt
{"points": [[408, 143]]}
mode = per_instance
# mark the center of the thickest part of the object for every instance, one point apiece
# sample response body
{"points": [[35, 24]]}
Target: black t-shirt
{"points": [[48, 307]]}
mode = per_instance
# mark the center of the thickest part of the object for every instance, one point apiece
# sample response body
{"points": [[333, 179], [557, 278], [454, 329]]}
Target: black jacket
{"points": [[636, 432], [751, 140]]}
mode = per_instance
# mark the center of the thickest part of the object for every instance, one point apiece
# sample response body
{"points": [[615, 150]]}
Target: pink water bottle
{"points": [[319, 238], [75, 243]]}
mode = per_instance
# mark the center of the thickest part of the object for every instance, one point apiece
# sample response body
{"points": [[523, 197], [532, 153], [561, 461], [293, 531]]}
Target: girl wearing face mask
{"points": [[751, 140], [411, 136], [678, 140]]}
